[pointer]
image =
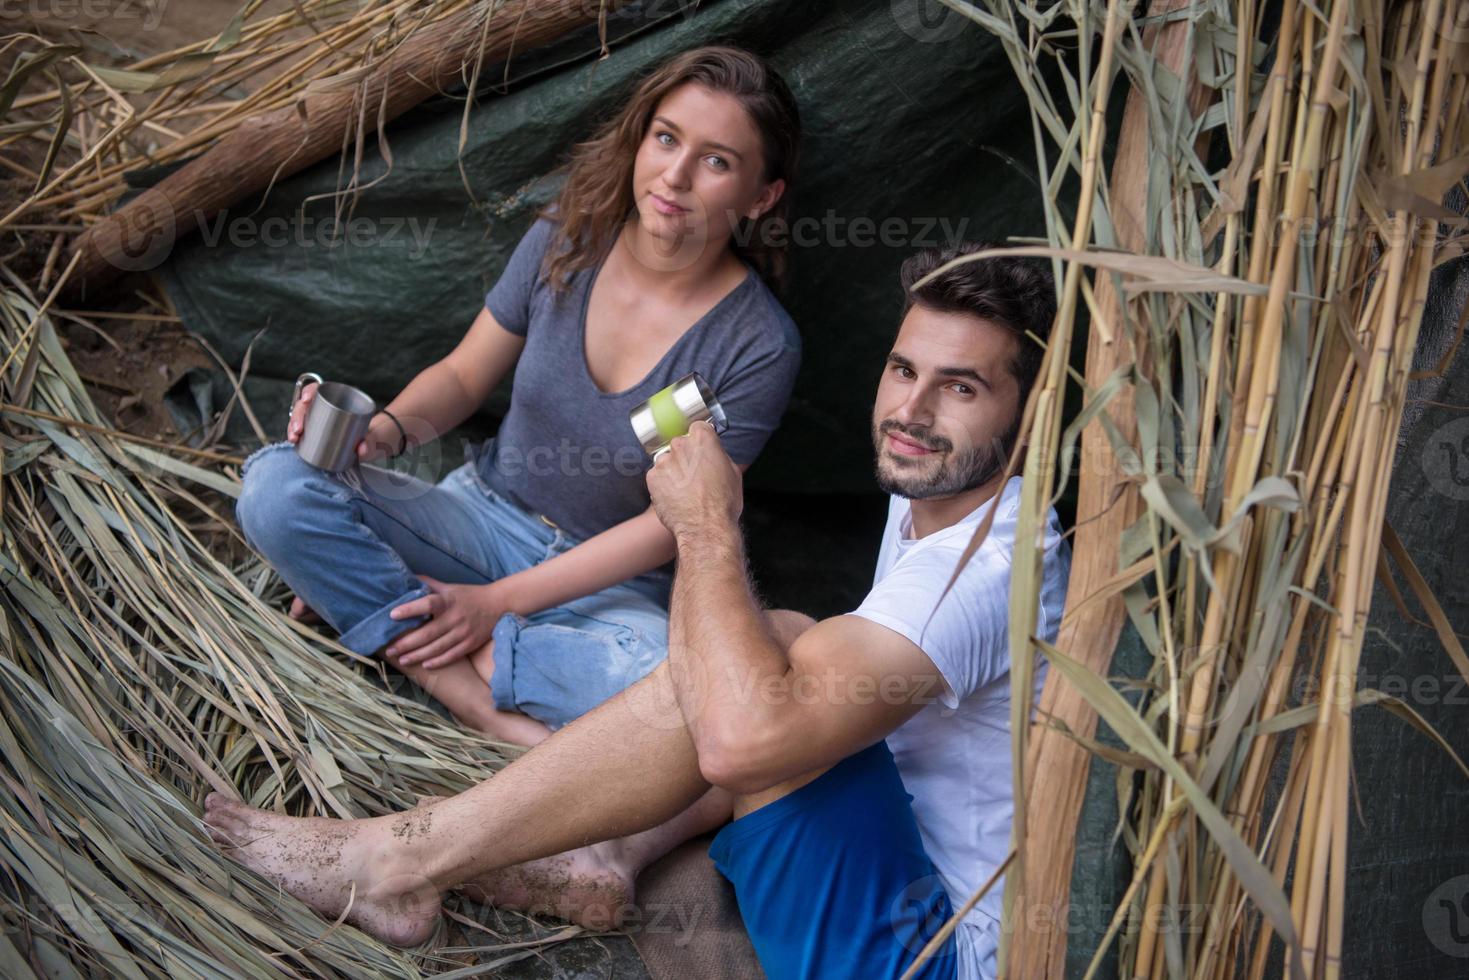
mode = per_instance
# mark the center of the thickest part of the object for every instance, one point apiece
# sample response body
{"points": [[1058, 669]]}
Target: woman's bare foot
{"points": [[509, 726], [459, 687], [483, 661], [303, 613], [503, 726], [329, 865]]}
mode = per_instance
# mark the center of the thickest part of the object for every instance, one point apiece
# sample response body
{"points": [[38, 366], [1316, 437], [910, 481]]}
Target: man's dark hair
{"points": [[1017, 293]]}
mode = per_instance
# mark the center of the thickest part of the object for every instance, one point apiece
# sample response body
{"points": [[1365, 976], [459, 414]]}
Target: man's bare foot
{"points": [[329, 865], [590, 886]]}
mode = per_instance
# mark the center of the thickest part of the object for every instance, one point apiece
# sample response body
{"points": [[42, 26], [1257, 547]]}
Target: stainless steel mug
{"points": [[669, 413], [339, 417]]}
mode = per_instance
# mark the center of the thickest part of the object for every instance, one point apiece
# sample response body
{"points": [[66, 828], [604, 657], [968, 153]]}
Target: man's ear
{"points": [[767, 199]]}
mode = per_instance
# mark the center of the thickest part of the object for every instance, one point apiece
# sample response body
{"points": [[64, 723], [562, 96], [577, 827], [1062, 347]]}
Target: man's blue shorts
{"points": [[833, 881]]}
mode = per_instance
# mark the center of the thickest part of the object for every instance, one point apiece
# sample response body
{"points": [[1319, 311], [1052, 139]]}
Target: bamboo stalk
{"points": [[1300, 386], [1057, 766]]}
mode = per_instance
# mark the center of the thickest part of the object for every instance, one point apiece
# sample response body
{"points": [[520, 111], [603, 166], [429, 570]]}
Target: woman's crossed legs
{"points": [[353, 549]]}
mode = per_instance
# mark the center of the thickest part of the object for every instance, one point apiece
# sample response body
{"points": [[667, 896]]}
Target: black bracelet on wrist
{"points": [[402, 435]]}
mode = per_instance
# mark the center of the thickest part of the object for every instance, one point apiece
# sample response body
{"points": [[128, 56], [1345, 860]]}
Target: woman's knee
{"points": [[273, 488]]}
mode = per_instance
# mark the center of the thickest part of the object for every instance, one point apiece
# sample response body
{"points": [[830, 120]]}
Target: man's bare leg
{"points": [[623, 768], [394, 871], [591, 884]]}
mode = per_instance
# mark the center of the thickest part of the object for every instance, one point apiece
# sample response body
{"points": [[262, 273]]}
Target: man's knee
{"points": [[748, 802], [787, 624]]}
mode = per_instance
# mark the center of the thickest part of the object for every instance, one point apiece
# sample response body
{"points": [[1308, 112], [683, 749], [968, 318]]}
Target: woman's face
{"points": [[699, 170]]}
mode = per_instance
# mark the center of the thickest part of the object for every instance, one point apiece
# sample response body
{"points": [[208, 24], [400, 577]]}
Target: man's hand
{"points": [[463, 620], [695, 482]]}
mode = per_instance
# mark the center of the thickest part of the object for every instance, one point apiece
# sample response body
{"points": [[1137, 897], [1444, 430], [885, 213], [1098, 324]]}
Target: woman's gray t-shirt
{"points": [[566, 448]]}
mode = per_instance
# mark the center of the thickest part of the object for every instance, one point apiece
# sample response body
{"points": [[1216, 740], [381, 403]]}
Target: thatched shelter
{"points": [[1252, 415]]}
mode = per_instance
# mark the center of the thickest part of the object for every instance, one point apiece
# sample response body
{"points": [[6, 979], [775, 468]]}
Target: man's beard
{"points": [[917, 478]]}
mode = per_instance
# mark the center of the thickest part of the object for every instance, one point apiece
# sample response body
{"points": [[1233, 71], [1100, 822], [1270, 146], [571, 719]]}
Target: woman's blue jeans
{"points": [[351, 545]]}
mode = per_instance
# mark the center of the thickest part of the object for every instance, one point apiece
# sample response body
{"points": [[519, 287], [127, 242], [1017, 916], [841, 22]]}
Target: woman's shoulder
{"points": [[533, 252], [770, 314], [541, 231]]}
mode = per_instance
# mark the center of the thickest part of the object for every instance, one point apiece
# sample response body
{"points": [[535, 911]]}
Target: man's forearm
{"points": [[721, 651]]}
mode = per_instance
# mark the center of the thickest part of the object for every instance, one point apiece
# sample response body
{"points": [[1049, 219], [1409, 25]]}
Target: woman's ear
{"points": [[767, 199]]}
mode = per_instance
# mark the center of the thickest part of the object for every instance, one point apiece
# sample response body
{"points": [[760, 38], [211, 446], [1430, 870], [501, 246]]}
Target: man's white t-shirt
{"points": [[954, 755]]}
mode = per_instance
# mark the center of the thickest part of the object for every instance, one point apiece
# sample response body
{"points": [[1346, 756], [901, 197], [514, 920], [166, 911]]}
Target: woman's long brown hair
{"points": [[598, 197]]}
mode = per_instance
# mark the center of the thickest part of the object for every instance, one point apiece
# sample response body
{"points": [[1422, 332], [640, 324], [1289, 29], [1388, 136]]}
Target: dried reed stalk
{"points": [[1269, 253], [141, 667]]}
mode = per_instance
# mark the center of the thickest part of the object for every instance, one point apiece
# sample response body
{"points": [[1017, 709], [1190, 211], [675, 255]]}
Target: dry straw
{"points": [[140, 671], [99, 122], [145, 659]]}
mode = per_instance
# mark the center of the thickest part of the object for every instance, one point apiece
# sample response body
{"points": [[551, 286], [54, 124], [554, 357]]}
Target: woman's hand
{"points": [[299, 411], [463, 619], [381, 436]]}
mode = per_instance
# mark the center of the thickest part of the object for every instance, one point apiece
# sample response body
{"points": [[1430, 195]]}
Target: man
{"points": [[820, 731]]}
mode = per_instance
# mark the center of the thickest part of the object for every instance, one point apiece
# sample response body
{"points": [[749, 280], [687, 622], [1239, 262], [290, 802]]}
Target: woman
{"points": [[532, 582]]}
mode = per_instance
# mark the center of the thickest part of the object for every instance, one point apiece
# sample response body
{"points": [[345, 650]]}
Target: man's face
{"points": [[946, 404]]}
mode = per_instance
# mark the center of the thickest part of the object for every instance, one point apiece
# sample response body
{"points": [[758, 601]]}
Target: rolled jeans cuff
{"points": [[502, 680], [379, 629]]}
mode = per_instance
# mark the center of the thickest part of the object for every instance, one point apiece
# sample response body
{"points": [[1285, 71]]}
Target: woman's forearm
{"points": [[621, 552], [448, 391], [435, 399]]}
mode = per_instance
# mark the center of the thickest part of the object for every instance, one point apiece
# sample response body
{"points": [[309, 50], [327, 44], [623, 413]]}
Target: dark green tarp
{"points": [[909, 117]]}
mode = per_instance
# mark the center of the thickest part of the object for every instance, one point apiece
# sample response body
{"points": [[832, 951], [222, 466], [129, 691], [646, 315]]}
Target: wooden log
{"points": [[284, 141], [1057, 766]]}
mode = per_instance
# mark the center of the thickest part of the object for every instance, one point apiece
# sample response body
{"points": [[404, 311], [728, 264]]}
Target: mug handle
{"points": [[296, 392]]}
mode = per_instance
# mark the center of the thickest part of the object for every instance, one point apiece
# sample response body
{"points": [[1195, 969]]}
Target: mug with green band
{"points": [[669, 413]]}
